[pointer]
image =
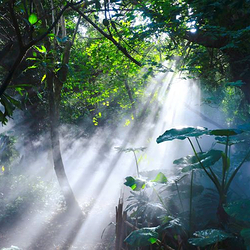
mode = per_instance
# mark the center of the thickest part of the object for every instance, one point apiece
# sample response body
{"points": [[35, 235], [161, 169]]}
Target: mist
{"points": [[96, 169]]}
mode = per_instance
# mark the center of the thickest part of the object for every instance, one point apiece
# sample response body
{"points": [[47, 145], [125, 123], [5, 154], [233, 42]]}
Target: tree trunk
{"points": [[54, 101], [132, 101], [240, 70]]}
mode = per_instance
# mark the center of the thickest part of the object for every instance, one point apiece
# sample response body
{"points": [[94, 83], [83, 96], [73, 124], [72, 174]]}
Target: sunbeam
{"points": [[96, 170]]}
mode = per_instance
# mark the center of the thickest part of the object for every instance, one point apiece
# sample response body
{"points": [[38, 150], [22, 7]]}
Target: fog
{"points": [[96, 170]]}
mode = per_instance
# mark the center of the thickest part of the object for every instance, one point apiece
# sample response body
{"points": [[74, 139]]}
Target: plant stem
{"points": [[136, 162], [235, 172], [212, 176], [190, 203], [179, 196], [229, 156], [224, 169], [198, 144], [159, 197]]}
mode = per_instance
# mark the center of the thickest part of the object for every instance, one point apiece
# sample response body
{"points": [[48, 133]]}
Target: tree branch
{"points": [[25, 48], [15, 24], [35, 41], [122, 49], [206, 40]]}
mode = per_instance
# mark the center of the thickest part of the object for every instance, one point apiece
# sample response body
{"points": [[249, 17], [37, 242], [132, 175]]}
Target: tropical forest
{"points": [[124, 125]]}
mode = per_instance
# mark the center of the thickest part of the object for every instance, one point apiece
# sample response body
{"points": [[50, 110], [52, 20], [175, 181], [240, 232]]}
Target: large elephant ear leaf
{"points": [[225, 132], [143, 237], [181, 133], [208, 237], [240, 210], [207, 159], [231, 141]]}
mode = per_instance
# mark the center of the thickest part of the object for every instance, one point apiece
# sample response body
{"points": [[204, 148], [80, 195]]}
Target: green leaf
{"points": [[225, 132], [9, 108], [181, 133], [232, 140], [184, 190], [208, 237], [3, 119], [20, 86], [152, 240], [51, 35], [105, 22], [33, 18], [191, 162], [43, 78], [143, 237], [41, 50], [240, 210], [245, 233], [160, 178], [15, 102], [135, 183], [235, 84]]}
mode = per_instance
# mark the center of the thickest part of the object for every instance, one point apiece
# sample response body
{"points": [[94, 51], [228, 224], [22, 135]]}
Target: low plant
{"points": [[215, 164]]}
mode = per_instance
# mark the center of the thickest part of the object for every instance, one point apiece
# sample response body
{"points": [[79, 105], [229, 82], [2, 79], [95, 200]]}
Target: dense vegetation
{"points": [[88, 63]]}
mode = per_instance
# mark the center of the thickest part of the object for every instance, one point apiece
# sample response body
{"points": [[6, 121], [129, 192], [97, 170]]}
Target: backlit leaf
{"points": [[135, 183], [33, 18], [43, 78], [160, 178]]}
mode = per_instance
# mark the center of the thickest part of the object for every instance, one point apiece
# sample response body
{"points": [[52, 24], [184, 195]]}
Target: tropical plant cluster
{"points": [[185, 211]]}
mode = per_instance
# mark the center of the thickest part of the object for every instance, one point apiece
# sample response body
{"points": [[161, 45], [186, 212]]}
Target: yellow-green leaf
{"points": [[33, 18], [43, 78]]}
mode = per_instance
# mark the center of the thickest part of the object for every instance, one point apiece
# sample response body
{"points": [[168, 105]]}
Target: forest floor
{"points": [[51, 237]]}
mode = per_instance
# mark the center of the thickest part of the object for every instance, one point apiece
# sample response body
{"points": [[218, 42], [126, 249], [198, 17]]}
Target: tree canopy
{"points": [[210, 37]]}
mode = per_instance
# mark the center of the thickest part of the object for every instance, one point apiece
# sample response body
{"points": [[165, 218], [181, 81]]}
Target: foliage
{"points": [[36, 195], [239, 210], [207, 159], [8, 152], [208, 237], [135, 184], [245, 233], [171, 194], [181, 133], [143, 237]]}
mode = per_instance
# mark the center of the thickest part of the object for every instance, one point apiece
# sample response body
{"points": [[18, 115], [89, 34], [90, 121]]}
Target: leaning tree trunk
{"points": [[54, 85], [54, 100]]}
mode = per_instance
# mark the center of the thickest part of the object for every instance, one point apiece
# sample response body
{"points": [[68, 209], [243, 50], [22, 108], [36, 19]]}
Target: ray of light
{"points": [[96, 170]]}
